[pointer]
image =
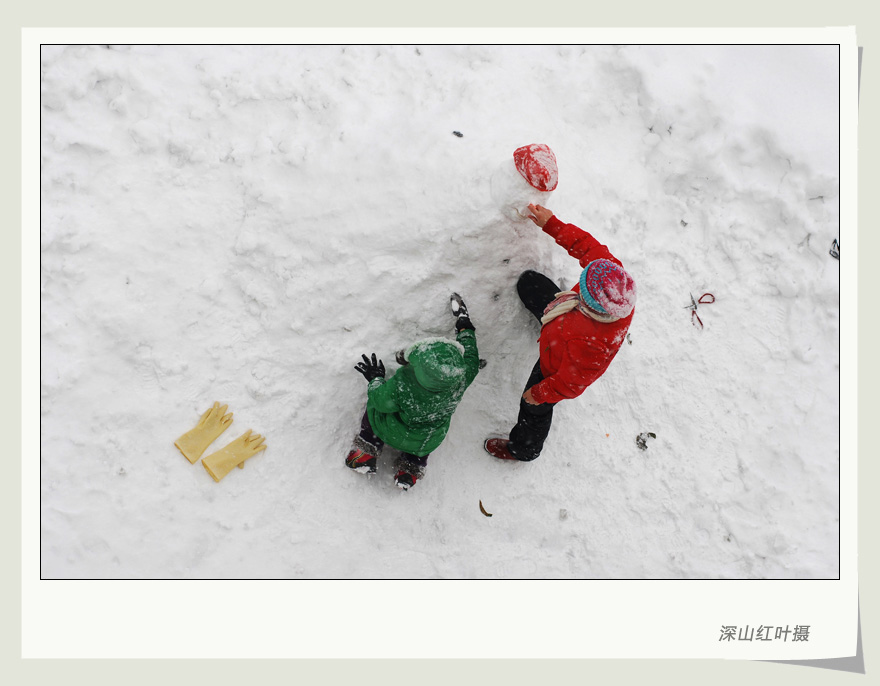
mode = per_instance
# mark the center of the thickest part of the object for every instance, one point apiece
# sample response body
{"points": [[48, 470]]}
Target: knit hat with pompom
{"points": [[608, 289]]}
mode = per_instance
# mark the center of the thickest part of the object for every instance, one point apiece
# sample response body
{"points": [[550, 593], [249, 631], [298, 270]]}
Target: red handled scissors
{"points": [[705, 299]]}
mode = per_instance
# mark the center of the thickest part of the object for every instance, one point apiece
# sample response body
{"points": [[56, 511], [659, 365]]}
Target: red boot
{"points": [[361, 461], [498, 447], [405, 480]]}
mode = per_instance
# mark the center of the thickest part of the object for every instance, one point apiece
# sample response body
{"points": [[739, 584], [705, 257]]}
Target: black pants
{"points": [[408, 461], [533, 424]]}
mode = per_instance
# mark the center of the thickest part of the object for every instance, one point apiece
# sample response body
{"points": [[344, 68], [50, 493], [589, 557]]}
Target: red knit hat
{"points": [[537, 164]]}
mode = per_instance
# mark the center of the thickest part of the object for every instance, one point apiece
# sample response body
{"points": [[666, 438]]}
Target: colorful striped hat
{"points": [[608, 289]]}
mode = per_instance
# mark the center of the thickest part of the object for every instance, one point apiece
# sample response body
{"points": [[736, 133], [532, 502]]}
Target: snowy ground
{"points": [[241, 223]]}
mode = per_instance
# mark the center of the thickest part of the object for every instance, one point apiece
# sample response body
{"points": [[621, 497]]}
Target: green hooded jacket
{"points": [[411, 410]]}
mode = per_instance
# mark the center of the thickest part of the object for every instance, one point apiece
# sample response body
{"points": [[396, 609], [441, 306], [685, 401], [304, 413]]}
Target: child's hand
{"points": [[540, 215], [528, 397], [371, 369]]}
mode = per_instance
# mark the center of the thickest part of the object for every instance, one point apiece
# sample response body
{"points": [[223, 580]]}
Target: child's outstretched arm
{"points": [[382, 394], [379, 391], [468, 339], [579, 243], [466, 334]]}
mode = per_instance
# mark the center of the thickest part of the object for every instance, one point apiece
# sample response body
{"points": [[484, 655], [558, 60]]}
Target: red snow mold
{"points": [[537, 164]]}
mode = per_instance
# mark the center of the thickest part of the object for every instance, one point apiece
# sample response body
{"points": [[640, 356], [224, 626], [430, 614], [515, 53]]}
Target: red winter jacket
{"points": [[576, 350]]}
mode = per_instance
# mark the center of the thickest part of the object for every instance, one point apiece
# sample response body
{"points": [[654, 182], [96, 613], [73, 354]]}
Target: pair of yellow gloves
{"points": [[213, 423]]}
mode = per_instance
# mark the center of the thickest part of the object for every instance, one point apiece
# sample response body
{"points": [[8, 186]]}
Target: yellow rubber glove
{"points": [[213, 423], [243, 448]]}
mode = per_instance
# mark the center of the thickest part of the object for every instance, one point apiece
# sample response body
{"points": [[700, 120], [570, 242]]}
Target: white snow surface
{"points": [[241, 223]]}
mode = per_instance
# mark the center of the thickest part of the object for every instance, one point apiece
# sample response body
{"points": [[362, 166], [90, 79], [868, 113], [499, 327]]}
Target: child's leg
{"points": [[536, 292], [367, 439], [533, 424], [365, 448], [410, 468]]}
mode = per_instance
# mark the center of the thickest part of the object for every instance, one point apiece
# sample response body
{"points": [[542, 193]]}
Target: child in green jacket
{"points": [[411, 410]]}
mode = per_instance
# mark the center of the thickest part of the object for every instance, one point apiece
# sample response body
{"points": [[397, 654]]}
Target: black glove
{"points": [[459, 310], [371, 369]]}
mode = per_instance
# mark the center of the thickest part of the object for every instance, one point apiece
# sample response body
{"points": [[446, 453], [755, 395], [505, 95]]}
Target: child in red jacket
{"points": [[581, 332]]}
